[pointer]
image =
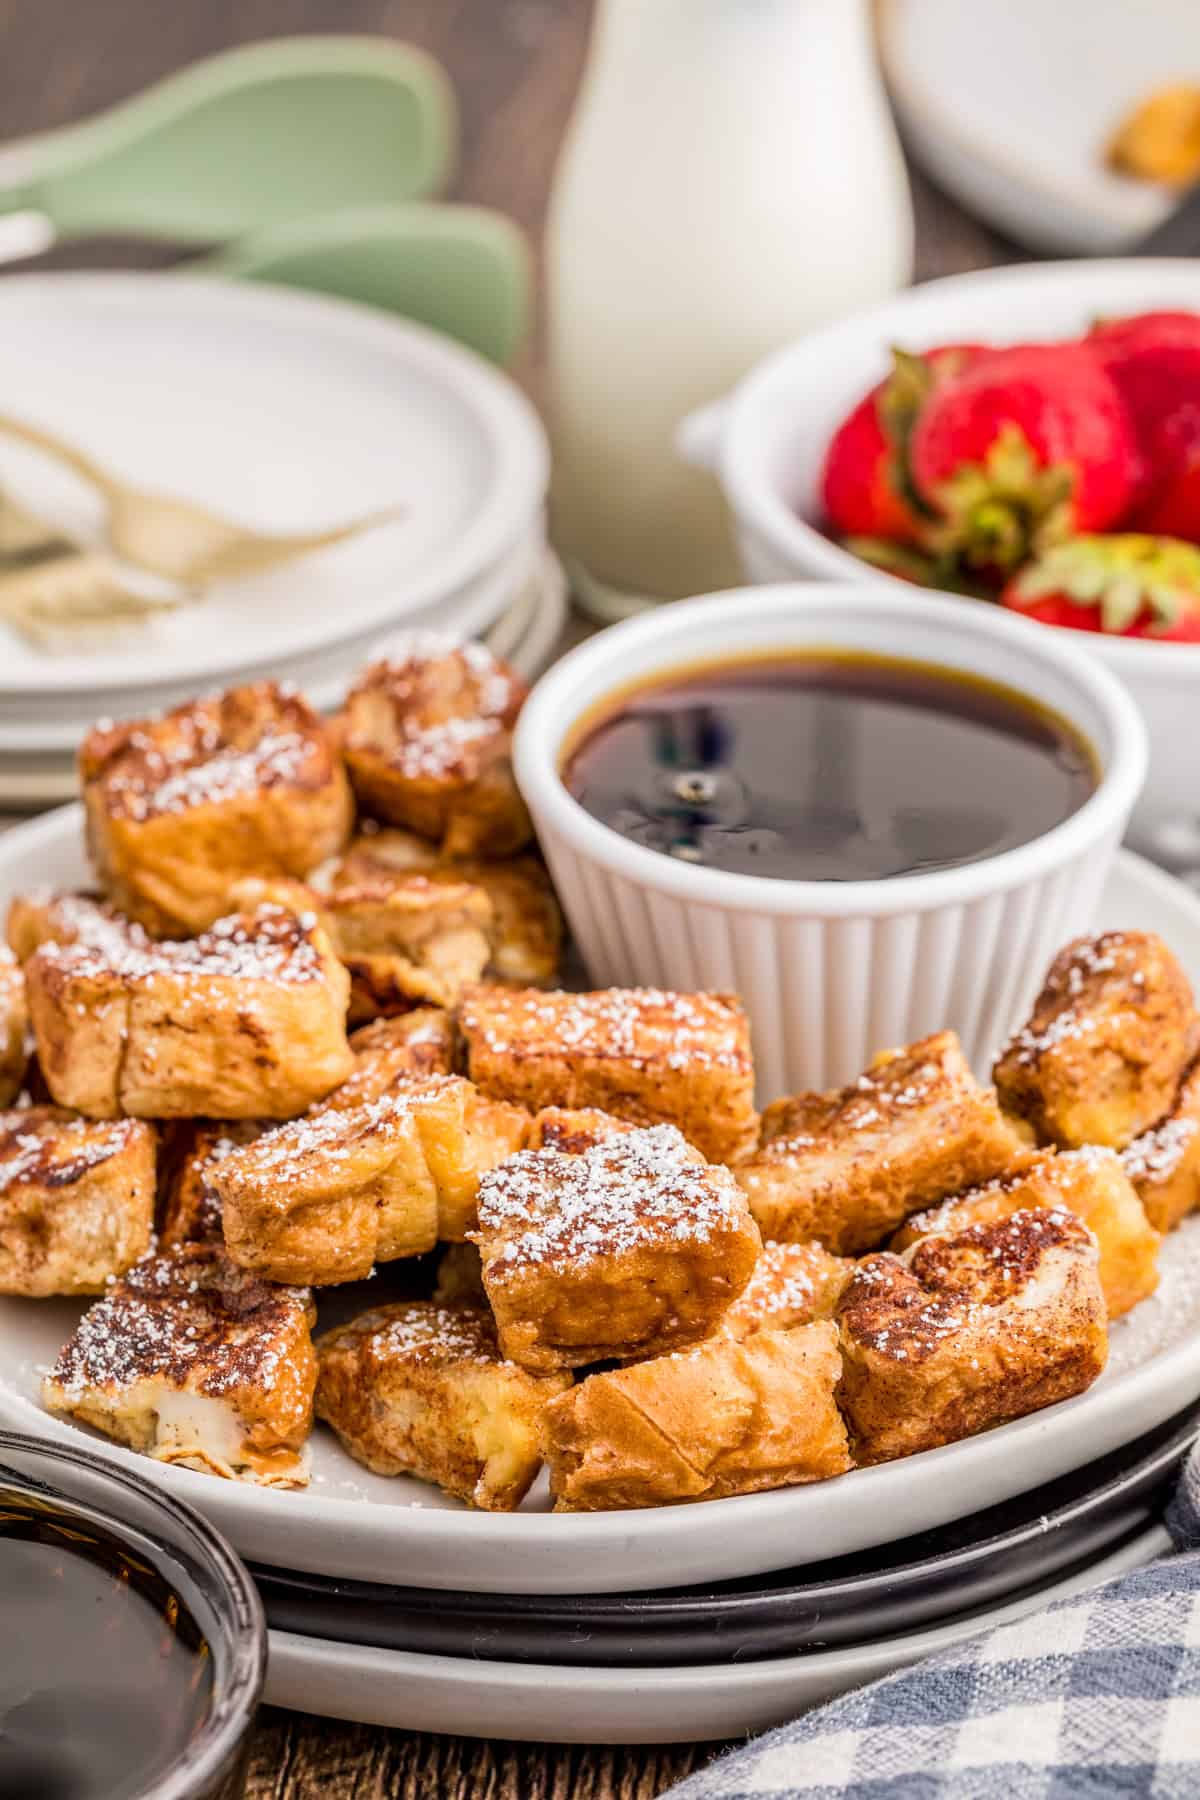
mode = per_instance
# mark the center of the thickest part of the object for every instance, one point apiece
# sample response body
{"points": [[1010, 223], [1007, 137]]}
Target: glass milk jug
{"points": [[731, 178]]}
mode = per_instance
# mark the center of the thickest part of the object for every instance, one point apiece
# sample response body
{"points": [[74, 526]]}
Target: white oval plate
{"points": [[578, 1705], [1010, 104], [355, 1524], [287, 411]]}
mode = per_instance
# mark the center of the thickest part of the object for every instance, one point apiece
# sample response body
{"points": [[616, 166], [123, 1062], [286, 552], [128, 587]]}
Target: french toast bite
{"points": [[248, 782], [422, 1389], [724, 1418], [1107, 1042], [1164, 1162], [646, 1055], [629, 1250], [14, 1026], [1090, 1183], [193, 1361], [76, 1200], [524, 926], [427, 736], [408, 939], [245, 1021], [792, 1284], [843, 1168], [968, 1331], [323, 1198]]}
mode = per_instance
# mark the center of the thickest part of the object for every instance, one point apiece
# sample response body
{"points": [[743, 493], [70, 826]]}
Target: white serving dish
{"points": [[1010, 105], [282, 409], [767, 444], [832, 971], [578, 1705], [358, 1525]]}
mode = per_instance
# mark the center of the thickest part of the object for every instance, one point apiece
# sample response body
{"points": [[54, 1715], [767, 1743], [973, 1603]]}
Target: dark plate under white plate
{"points": [[990, 1557]]}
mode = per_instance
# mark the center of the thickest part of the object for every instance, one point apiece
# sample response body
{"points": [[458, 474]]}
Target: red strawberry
{"points": [[864, 484], [1127, 584], [1171, 507], [1024, 447], [1154, 360]]}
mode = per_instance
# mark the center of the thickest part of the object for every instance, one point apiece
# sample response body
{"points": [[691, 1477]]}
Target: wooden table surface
{"points": [[515, 64]]}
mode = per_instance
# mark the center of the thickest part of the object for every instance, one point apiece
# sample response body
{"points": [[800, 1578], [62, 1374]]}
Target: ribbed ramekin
{"points": [[830, 972]]}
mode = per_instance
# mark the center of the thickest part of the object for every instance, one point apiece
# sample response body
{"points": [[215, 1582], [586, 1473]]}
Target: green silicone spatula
{"points": [[461, 269], [251, 138]]}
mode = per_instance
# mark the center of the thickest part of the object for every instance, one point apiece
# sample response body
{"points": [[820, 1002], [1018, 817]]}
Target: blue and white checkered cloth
{"points": [[1097, 1695]]}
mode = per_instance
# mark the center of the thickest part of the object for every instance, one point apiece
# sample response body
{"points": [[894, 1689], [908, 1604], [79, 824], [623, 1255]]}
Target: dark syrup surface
{"points": [[104, 1675], [827, 766]]}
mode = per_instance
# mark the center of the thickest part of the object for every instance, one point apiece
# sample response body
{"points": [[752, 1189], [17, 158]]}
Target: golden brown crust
{"points": [[642, 1053], [245, 1021], [969, 1331], [189, 1358], [792, 1284], [1164, 1162], [459, 1277], [726, 1418], [14, 1027], [427, 737], [46, 916], [421, 1389], [845, 1167], [574, 1129], [629, 1250], [248, 782], [1106, 1044], [76, 1200], [1090, 1183]]}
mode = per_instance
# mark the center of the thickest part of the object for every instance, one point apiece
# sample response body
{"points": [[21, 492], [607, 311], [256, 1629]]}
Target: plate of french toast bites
{"points": [[321, 1195]]}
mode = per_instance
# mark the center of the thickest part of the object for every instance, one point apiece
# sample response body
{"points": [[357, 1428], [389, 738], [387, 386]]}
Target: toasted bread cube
{"points": [[844, 1168], [1106, 1045], [322, 1199], [427, 736], [422, 1389], [390, 1052], [248, 782], [646, 1055], [1090, 1183], [629, 1250], [76, 1200], [14, 1027], [188, 1205], [48, 916], [574, 1129], [405, 938], [460, 1277], [968, 1331], [1164, 1162], [792, 1284], [726, 1418], [193, 1361], [246, 1021], [524, 926]]}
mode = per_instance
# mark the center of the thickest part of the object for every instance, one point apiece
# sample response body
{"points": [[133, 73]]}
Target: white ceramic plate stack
{"points": [[287, 412]]}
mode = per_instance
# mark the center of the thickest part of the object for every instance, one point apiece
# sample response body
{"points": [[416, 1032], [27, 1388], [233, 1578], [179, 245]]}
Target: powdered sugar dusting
{"points": [[271, 944], [548, 1209], [1157, 1154], [639, 1026]]}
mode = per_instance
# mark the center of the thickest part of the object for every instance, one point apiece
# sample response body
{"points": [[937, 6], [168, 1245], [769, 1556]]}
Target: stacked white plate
{"points": [[285, 412]]}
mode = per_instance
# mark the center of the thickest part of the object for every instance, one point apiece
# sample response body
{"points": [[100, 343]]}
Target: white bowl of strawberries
{"points": [[1030, 435]]}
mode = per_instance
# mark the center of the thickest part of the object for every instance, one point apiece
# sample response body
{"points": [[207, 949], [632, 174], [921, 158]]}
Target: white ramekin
{"points": [[767, 444], [831, 972]]}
